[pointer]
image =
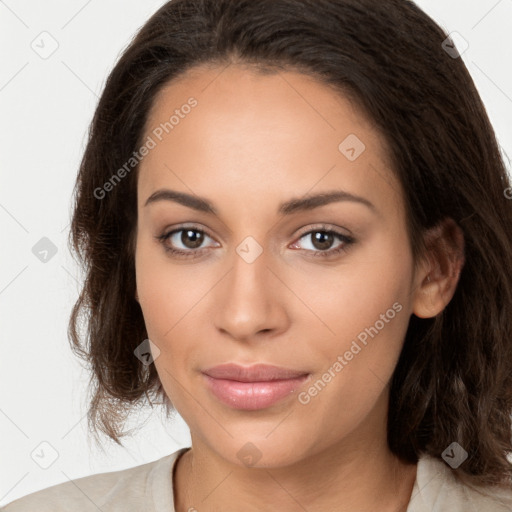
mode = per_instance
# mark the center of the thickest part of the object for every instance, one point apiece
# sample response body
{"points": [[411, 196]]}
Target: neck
{"points": [[344, 477]]}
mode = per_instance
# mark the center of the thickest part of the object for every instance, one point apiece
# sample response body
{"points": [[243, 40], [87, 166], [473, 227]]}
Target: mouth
{"points": [[255, 387]]}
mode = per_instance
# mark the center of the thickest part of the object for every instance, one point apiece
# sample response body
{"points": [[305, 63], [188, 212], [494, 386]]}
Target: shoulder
{"points": [[438, 487], [130, 489]]}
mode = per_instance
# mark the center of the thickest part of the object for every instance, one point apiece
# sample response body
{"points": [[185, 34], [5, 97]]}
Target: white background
{"points": [[47, 105]]}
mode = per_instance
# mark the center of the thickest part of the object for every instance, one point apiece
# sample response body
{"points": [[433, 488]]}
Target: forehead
{"points": [[266, 131]]}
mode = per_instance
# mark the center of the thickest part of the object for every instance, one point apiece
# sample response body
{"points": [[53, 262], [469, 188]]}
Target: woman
{"points": [[295, 224]]}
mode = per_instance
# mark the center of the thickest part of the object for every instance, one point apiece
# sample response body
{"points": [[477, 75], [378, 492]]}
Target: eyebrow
{"points": [[294, 205]]}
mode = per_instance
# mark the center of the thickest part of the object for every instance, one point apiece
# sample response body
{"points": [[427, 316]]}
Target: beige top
{"points": [[148, 488]]}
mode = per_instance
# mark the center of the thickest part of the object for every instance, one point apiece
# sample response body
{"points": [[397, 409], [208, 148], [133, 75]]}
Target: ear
{"points": [[437, 276], [136, 296]]}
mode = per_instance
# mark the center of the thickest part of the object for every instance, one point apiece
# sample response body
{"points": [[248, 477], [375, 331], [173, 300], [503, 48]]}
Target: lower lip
{"points": [[251, 396]]}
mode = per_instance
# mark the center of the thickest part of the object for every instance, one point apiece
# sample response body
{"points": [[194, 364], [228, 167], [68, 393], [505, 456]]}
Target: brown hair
{"points": [[453, 381]]}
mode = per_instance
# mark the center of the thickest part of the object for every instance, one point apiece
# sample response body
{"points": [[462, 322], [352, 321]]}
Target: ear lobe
{"points": [[439, 275], [136, 296]]}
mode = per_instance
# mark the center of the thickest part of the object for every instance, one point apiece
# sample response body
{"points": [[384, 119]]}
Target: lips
{"points": [[255, 373], [254, 387]]}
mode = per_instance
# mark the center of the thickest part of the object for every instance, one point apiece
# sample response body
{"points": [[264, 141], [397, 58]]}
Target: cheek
{"points": [[154, 288], [171, 297], [162, 299], [164, 289], [365, 306], [351, 298]]}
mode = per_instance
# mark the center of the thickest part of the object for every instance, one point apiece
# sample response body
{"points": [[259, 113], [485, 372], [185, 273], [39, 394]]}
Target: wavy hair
{"points": [[453, 379]]}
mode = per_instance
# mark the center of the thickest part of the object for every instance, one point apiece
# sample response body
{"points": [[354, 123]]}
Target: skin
{"points": [[252, 142]]}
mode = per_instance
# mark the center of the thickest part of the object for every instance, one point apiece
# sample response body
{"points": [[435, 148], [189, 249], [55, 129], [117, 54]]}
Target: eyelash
{"points": [[192, 253]]}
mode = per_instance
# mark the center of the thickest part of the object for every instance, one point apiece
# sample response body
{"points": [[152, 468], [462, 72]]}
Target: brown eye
{"points": [[322, 240], [185, 242], [194, 236]]}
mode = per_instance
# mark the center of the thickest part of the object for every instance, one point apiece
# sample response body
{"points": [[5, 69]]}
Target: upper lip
{"points": [[254, 373]]}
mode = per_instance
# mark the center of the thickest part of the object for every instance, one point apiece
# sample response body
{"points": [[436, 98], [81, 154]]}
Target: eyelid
{"points": [[193, 227], [347, 240], [324, 227], [304, 231]]}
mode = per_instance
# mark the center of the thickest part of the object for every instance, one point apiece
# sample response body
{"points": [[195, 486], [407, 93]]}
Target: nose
{"points": [[250, 301]]}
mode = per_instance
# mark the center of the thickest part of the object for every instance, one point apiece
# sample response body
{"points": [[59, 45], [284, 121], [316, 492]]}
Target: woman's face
{"points": [[325, 288]]}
